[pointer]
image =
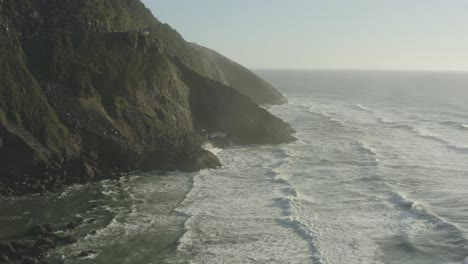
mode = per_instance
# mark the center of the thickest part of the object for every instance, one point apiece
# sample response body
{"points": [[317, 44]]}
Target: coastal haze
{"points": [[124, 139], [327, 34]]}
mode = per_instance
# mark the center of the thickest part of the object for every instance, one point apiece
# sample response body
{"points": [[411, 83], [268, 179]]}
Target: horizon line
{"points": [[359, 69]]}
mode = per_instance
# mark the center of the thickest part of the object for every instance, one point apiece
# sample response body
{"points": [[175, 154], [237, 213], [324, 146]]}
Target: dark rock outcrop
{"points": [[37, 243], [87, 253], [217, 108]]}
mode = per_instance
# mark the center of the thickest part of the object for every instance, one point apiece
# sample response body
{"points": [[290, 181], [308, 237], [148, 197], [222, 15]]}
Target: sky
{"points": [[326, 34]]}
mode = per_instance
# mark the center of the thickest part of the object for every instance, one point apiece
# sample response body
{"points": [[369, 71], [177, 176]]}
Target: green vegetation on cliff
{"points": [[22, 102], [90, 89], [123, 72], [29, 16]]}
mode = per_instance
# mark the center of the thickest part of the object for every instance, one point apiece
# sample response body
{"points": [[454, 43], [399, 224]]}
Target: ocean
{"points": [[379, 174]]}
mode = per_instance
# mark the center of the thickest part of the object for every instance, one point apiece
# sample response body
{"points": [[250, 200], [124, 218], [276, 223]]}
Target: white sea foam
{"points": [[72, 189], [400, 200], [427, 135], [363, 147], [90, 256], [454, 124], [231, 217], [363, 108], [420, 209], [306, 233], [385, 121], [208, 146], [416, 208], [108, 192], [218, 135]]}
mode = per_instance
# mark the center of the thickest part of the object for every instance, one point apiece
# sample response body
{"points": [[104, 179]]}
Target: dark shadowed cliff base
{"points": [[92, 90]]}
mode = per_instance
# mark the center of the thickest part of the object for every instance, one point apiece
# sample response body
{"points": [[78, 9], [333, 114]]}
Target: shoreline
{"points": [[109, 215]]}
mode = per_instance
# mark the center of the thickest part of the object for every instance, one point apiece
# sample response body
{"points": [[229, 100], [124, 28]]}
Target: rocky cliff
{"points": [[92, 89]]}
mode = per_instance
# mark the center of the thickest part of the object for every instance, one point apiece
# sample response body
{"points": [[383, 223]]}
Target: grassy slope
{"points": [[22, 102], [124, 72]]}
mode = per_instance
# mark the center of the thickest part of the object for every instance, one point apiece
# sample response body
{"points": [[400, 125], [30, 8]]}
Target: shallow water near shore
{"points": [[133, 218], [379, 174]]}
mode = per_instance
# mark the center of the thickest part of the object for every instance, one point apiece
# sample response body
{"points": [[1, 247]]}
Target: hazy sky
{"points": [[343, 34]]}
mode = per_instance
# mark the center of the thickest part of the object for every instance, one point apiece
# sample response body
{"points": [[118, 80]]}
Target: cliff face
{"points": [[92, 89], [93, 105], [235, 75], [219, 109]]}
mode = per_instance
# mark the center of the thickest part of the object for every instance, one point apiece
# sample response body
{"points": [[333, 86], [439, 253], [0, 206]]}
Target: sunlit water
{"points": [[379, 174]]}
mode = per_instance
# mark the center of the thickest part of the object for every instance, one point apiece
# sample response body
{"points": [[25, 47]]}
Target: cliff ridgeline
{"points": [[91, 89]]}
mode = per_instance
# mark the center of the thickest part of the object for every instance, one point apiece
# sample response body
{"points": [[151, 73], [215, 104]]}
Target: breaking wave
{"points": [[420, 210], [454, 124], [208, 146], [290, 205], [423, 134], [363, 108]]}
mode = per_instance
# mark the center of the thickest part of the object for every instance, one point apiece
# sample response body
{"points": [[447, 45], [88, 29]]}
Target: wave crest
{"points": [[385, 121], [363, 108], [209, 147], [418, 209], [454, 124], [422, 134], [289, 207]]}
